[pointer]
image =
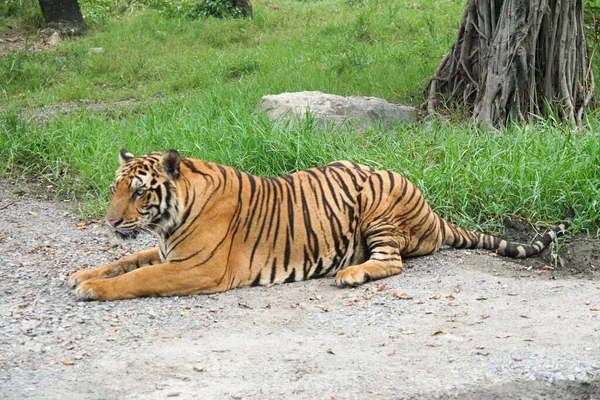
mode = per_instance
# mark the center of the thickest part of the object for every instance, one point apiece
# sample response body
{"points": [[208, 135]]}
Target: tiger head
{"points": [[143, 194]]}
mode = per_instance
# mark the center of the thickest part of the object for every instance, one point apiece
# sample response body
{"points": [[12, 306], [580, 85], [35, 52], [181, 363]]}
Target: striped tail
{"points": [[460, 239]]}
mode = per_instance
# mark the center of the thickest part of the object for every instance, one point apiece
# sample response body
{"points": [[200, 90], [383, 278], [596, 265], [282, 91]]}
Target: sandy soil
{"points": [[13, 40], [458, 324]]}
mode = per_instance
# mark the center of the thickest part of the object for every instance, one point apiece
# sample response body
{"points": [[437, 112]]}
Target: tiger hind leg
{"points": [[385, 260]]}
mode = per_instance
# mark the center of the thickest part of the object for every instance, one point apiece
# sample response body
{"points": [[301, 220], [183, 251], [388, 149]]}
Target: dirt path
{"points": [[455, 324]]}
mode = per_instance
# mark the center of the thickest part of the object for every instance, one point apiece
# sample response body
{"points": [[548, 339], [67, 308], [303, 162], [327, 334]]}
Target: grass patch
{"points": [[205, 77]]}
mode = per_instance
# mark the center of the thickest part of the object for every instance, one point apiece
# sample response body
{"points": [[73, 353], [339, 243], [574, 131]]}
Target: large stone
{"points": [[354, 111]]}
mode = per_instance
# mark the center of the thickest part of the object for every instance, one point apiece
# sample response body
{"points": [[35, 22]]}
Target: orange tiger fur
{"points": [[220, 228]]}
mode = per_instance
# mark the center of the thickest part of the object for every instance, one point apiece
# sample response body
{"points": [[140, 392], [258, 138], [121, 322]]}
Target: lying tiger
{"points": [[220, 228]]}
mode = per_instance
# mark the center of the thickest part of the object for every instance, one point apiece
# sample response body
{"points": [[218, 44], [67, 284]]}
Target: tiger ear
{"points": [[169, 163], [125, 156]]}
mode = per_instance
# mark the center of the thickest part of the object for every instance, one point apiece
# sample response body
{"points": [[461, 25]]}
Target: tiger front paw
{"points": [[80, 276], [94, 289], [351, 276]]}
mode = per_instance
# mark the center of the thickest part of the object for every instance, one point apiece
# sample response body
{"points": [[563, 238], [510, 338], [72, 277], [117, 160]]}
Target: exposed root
{"points": [[517, 59]]}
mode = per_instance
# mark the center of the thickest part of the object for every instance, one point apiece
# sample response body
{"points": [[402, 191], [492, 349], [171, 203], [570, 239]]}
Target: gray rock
{"points": [[329, 108]]}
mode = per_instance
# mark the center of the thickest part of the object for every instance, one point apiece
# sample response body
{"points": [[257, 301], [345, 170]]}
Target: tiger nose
{"points": [[114, 222]]}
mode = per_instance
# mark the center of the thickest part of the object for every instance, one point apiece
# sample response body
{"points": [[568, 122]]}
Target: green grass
{"points": [[199, 81]]}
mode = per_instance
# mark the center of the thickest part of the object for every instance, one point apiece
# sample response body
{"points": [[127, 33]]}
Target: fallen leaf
{"points": [[587, 302], [68, 363], [402, 296], [330, 351], [243, 304], [391, 352], [517, 358], [481, 353], [457, 288], [325, 309], [595, 309], [450, 296], [439, 332], [295, 305], [481, 298], [380, 287], [434, 297], [479, 347], [341, 334], [525, 316]]}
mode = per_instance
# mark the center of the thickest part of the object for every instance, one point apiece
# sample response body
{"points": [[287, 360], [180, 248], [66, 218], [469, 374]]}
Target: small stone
{"points": [[173, 394], [198, 368]]}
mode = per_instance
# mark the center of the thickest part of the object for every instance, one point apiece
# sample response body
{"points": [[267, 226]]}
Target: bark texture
{"points": [[517, 59], [245, 7], [63, 14]]}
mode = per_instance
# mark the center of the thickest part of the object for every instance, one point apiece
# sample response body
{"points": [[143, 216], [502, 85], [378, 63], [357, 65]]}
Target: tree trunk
{"points": [[515, 60], [63, 15], [245, 7]]}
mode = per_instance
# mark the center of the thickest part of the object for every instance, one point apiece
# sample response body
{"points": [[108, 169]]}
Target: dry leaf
{"points": [[401, 296], [457, 288], [325, 309], [68, 362], [481, 353], [243, 304], [450, 296], [329, 351], [439, 332], [391, 352], [481, 298], [525, 316], [479, 347], [595, 309], [434, 297]]}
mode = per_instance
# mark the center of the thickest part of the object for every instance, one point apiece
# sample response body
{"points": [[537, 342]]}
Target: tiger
{"points": [[219, 228]]}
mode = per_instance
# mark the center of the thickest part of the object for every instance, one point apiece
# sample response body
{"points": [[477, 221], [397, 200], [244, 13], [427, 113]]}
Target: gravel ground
{"points": [[459, 324]]}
